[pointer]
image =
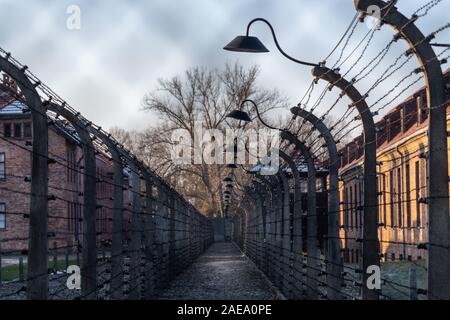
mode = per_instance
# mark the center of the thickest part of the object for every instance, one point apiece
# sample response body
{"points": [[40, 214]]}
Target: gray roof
{"points": [[14, 108]]}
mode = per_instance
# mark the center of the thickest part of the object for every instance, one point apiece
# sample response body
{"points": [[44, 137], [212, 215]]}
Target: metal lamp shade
{"points": [[246, 44], [239, 115]]}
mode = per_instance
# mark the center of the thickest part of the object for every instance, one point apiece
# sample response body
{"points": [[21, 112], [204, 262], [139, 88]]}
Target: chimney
{"points": [[419, 109]]}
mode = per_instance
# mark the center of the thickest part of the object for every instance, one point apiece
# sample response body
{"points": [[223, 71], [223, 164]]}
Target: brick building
{"points": [[65, 180], [402, 145]]}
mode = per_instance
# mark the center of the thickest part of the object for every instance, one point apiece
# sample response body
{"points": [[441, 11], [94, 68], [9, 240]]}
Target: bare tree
{"points": [[205, 95]]}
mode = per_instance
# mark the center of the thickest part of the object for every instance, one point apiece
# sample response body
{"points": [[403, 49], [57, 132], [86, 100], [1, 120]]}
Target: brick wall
{"points": [[66, 185]]}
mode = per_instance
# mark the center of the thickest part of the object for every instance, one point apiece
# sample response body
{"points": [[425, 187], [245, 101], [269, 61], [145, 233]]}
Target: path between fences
{"points": [[223, 272]]}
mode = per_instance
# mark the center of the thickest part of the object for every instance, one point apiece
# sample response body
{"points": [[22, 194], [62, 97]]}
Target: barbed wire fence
{"points": [[277, 239], [100, 208]]}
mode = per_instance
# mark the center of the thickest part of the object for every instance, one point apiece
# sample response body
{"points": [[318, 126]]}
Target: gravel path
{"points": [[221, 273]]}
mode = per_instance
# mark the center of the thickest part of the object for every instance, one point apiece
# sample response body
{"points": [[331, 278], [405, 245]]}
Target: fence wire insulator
{"points": [[423, 200], [422, 291], [423, 246]]}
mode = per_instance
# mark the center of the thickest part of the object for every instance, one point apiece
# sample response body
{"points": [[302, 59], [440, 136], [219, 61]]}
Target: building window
{"points": [[391, 190], [357, 203], [361, 203], [399, 198], [408, 196], [7, 130], [345, 207], [2, 166], [418, 213], [17, 130], [384, 201], [2, 216], [79, 217], [71, 165], [352, 207], [27, 129], [71, 216]]}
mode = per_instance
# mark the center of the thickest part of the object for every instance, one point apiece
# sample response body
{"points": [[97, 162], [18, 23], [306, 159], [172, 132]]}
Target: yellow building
{"points": [[402, 145]]}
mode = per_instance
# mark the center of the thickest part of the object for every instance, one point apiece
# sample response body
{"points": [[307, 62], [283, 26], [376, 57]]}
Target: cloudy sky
{"points": [[123, 47]]}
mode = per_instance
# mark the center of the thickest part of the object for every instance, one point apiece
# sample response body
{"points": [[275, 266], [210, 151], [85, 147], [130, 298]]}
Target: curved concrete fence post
{"points": [[270, 226], [370, 245], [117, 226], [293, 231], [260, 227], [279, 220], [255, 220], [165, 212], [183, 246], [265, 221], [174, 237], [89, 249], [333, 252], [285, 252], [312, 272], [296, 247], [160, 237], [439, 221], [135, 241], [116, 282], [149, 234], [37, 273]]}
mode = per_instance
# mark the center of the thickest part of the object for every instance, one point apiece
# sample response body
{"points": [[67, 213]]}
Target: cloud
{"points": [[123, 47]]}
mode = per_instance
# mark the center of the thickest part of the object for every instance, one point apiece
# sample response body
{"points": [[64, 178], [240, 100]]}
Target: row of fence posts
{"points": [[262, 237], [167, 232]]}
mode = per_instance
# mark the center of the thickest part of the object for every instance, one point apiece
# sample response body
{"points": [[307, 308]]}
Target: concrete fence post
{"points": [[312, 273], [89, 248], [37, 283], [439, 220], [333, 252], [370, 245], [149, 237], [135, 244], [117, 227]]}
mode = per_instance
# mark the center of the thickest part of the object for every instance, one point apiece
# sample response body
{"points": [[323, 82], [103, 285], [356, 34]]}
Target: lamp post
{"points": [[439, 223], [370, 240], [254, 45]]}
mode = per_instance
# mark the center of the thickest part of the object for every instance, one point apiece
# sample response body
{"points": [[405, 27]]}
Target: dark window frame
{"points": [[15, 126], [399, 198], [418, 208], [407, 194], [352, 206], [7, 133], [384, 202], [3, 213], [392, 198], [27, 126], [3, 176]]}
